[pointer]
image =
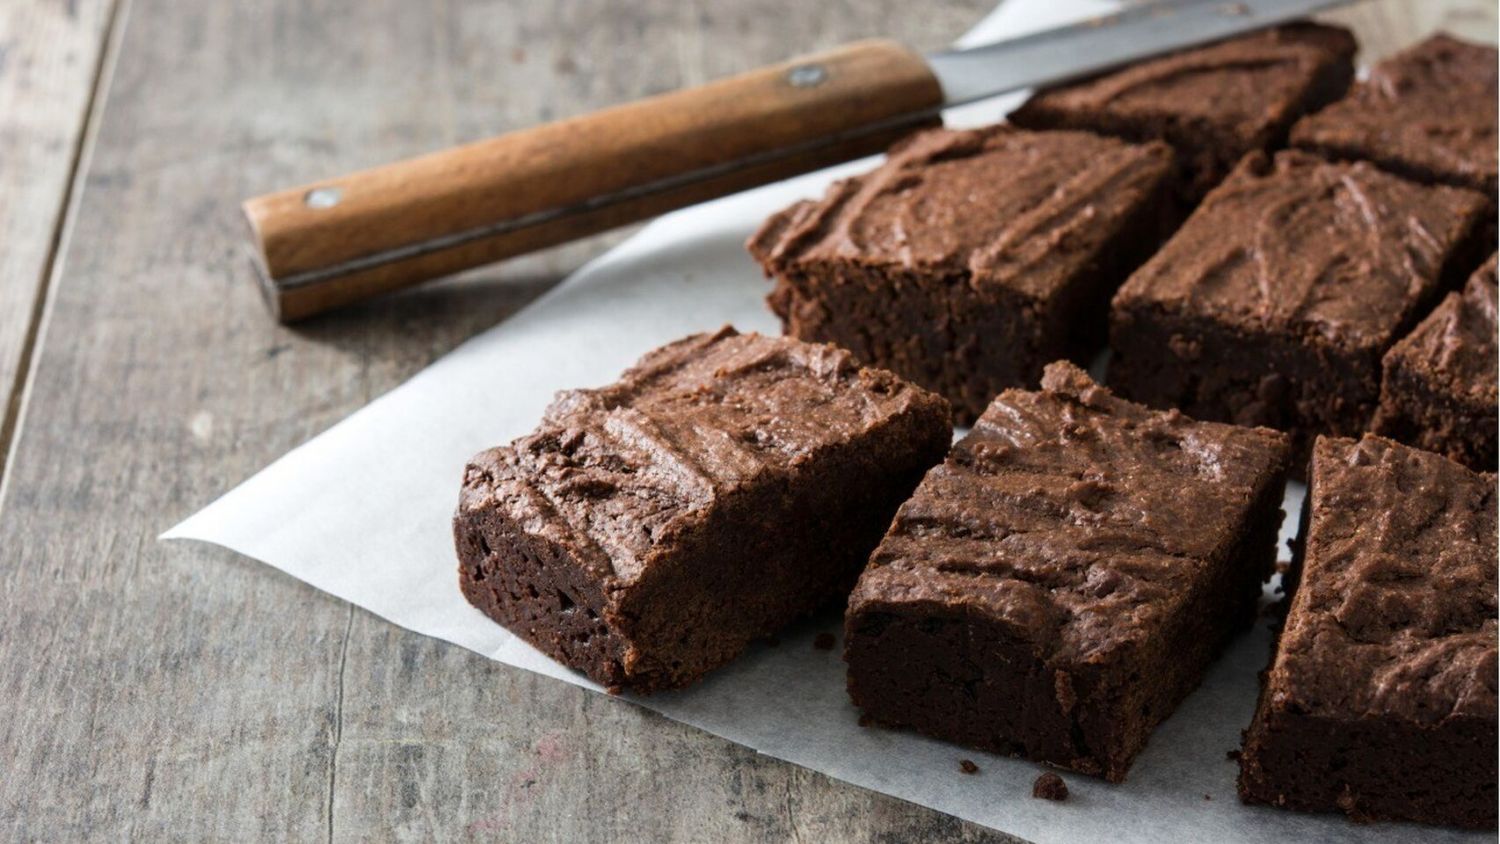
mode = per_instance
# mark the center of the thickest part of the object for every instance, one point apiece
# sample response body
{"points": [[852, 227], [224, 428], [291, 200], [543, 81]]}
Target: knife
{"points": [[339, 241]]}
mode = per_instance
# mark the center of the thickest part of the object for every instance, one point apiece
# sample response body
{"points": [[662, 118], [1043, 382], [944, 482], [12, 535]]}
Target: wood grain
{"points": [[50, 56], [156, 691]]}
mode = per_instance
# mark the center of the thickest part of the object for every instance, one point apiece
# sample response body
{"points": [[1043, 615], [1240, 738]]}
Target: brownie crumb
{"points": [[1232, 755], [1208, 797], [1049, 786], [825, 641], [968, 766], [1283, 566]]}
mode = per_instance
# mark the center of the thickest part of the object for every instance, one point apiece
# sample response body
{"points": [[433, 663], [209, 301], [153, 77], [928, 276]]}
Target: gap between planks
{"points": [[104, 64]]}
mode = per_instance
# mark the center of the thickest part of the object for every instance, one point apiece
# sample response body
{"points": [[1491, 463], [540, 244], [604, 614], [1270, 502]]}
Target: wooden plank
{"points": [[50, 55]]}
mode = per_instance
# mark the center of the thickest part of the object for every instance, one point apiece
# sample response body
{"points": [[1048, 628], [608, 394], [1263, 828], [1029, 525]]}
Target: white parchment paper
{"points": [[363, 512]]}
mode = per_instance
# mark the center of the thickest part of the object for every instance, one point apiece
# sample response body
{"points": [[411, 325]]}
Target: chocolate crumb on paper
{"points": [[1049, 786], [968, 766]]}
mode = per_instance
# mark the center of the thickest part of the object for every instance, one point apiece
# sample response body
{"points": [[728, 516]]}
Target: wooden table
{"points": [[149, 689]]}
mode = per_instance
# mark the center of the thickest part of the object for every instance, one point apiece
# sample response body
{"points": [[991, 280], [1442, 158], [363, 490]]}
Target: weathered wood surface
{"points": [[50, 54], [150, 689]]}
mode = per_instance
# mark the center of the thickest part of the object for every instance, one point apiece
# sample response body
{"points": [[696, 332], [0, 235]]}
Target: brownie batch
{"points": [[1054, 584]]}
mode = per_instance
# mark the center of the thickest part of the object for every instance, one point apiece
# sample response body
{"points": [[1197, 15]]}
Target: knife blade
{"points": [[1105, 41], [338, 241]]}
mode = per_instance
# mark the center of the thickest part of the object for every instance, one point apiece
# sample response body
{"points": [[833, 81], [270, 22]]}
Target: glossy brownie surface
{"points": [[1428, 112], [1341, 253]]}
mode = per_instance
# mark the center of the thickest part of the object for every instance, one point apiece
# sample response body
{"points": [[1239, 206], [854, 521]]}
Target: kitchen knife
{"points": [[338, 241]]}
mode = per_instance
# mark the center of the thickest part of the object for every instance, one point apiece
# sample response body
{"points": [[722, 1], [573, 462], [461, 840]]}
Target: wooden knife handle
{"points": [[342, 240]]}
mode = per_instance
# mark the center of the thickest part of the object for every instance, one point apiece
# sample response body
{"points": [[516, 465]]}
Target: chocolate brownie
{"points": [[971, 259], [1059, 584], [1439, 391], [1380, 700], [1275, 301], [646, 532], [1428, 113], [1213, 103]]}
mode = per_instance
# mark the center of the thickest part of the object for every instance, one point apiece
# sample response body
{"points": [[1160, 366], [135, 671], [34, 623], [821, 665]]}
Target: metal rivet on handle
{"points": [[323, 197], [807, 76]]}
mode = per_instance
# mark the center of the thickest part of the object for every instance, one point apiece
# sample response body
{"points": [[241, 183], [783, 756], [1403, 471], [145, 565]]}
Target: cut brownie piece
{"points": [[647, 531], [1059, 584], [1428, 113], [1214, 103], [1439, 390], [971, 259], [1274, 303], [1380, 701]]}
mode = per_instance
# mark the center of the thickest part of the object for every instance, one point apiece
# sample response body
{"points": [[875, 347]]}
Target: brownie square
{"points": [[1058, 585], [1439, 391], [1276, 300], [970, 259], [648, 531], [1213, 103], [1428, 113], [1380, 700]]}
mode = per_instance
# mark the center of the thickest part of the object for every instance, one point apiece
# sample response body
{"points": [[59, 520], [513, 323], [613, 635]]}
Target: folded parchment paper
{"points": [[363, 511]]}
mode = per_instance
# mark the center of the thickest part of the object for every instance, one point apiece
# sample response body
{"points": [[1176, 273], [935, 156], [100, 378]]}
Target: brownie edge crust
{"points": [[648, 531], [1058, 585]]}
